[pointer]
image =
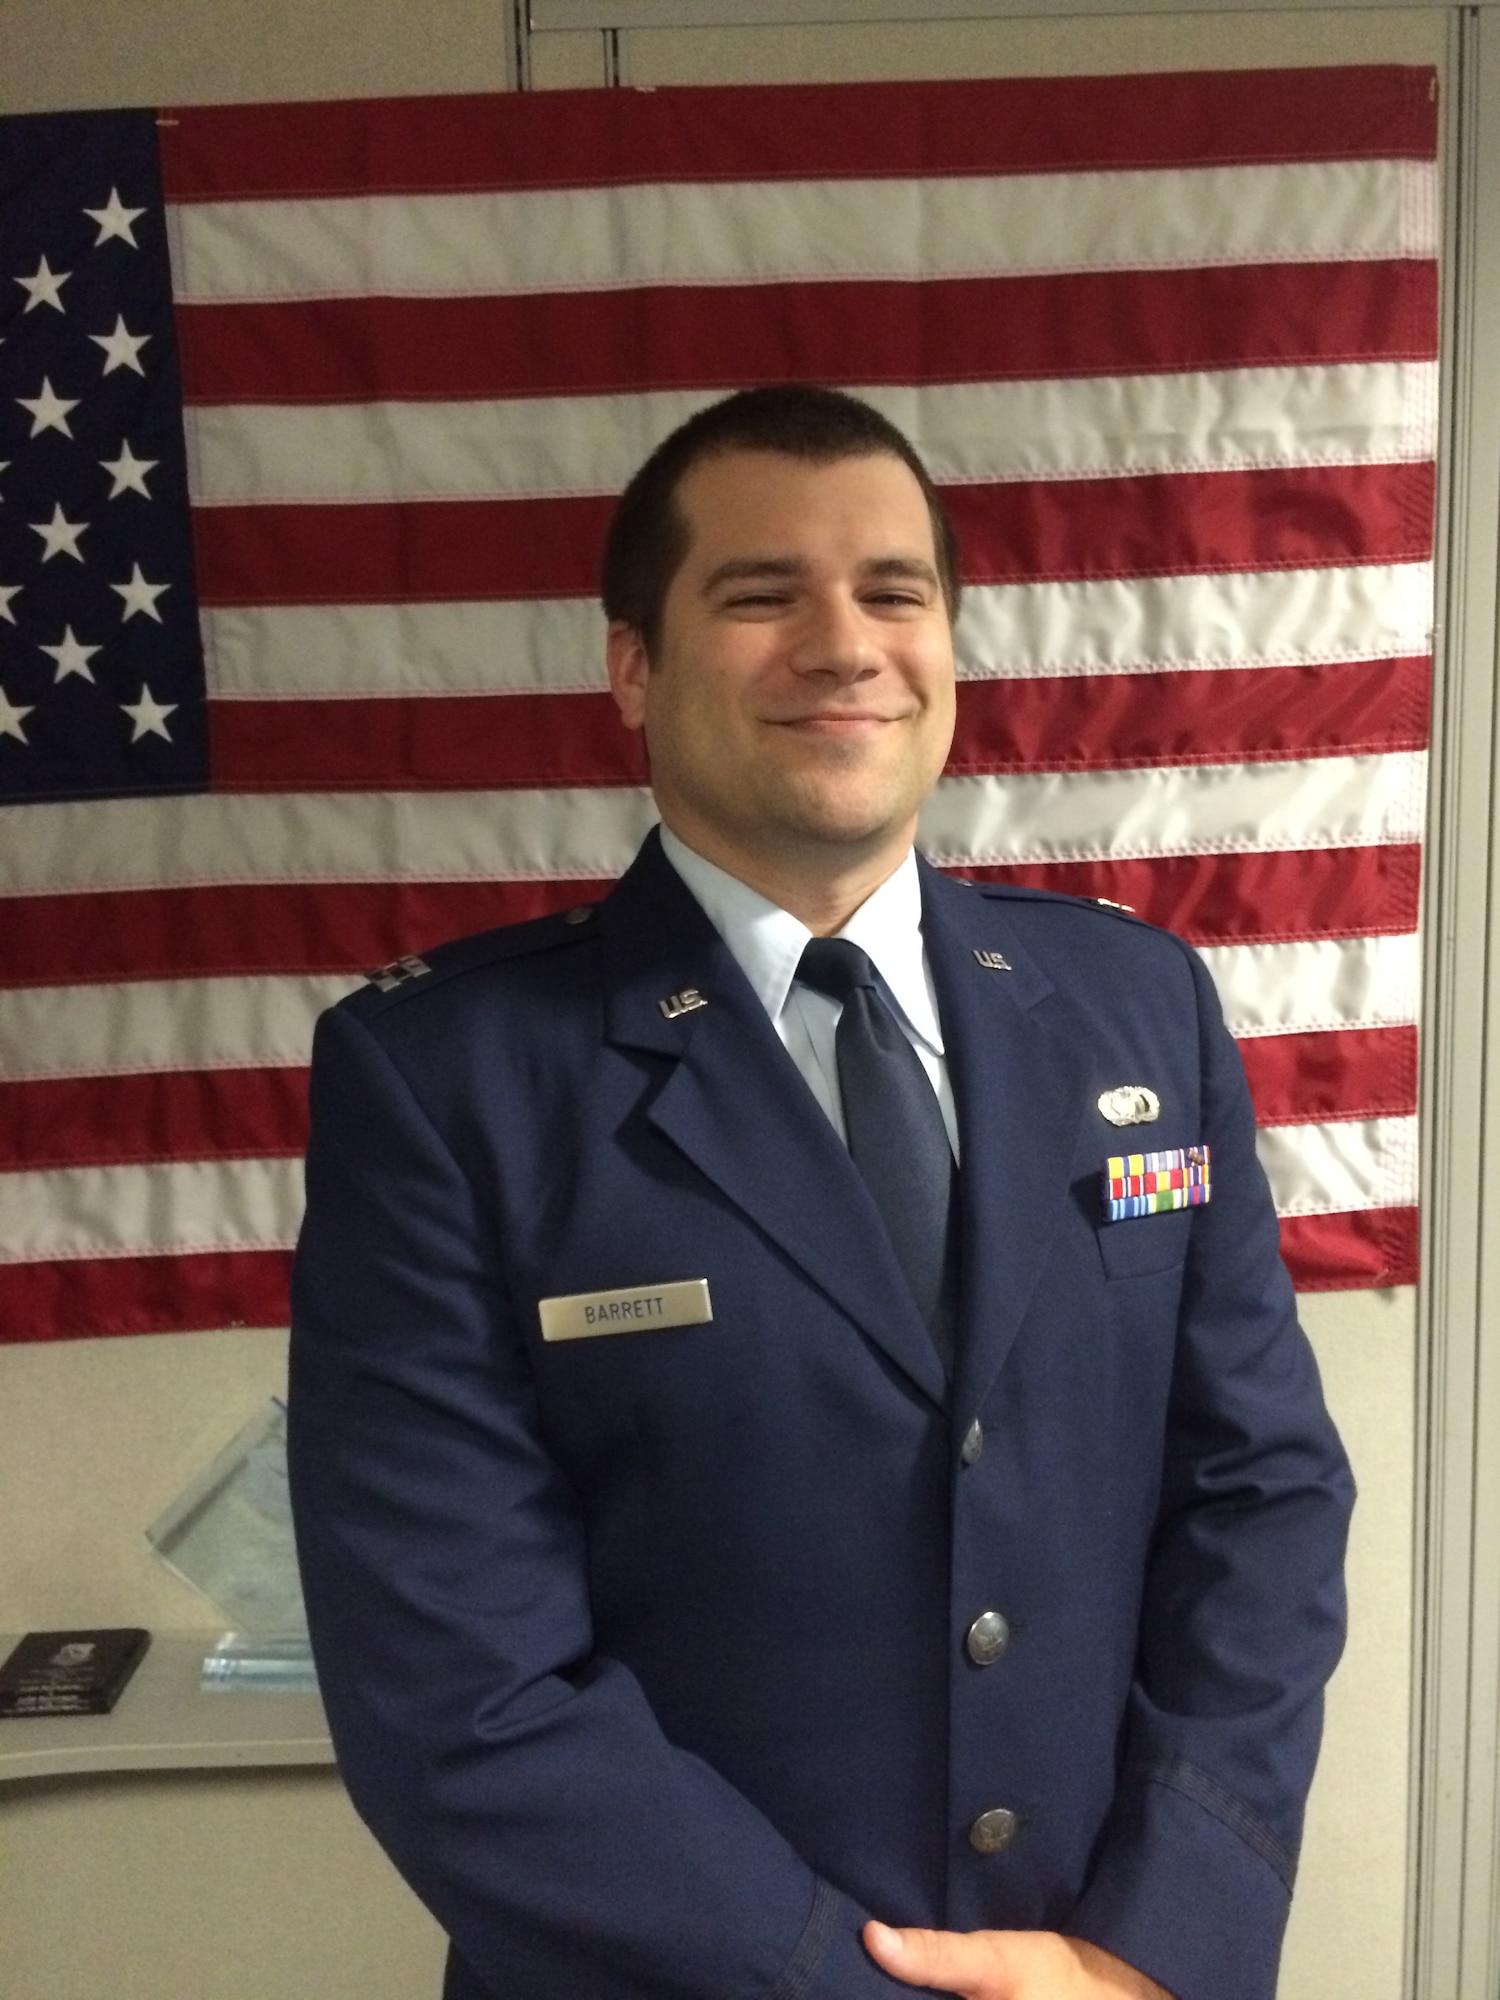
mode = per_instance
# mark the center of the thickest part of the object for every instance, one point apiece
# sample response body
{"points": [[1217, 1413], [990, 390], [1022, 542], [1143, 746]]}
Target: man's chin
{"points": [[847, 828]]}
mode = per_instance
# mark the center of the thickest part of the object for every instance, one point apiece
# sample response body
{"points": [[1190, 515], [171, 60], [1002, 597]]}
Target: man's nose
{"points": [[835, 639]]}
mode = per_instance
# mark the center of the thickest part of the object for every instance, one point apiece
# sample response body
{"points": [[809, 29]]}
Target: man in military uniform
{"points": [[789, 1506]]}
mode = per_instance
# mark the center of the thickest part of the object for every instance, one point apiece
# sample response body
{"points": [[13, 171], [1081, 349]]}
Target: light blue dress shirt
{"points": [[767, 943]]}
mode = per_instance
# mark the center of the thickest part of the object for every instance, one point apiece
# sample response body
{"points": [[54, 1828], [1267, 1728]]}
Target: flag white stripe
{"points": [[1210, 420], [266, 1021], [1023, 631], [1167, 624], [301, 651], [150, 1025], [1367, 413], [191, 1206], [593, 832], [1346, 1164], [691, 233], [1316, 984], [330, 837], [1203, 809], [174, 1208]]}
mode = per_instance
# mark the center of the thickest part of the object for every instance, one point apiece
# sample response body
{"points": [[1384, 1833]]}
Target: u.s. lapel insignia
{"points": [[389, 977], [1130, 1104], [993, 961], [1135, 1184], [688, 1001]]}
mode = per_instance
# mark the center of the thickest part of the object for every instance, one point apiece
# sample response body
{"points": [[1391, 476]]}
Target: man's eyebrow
{"points": [[737, 569], [740, 569], [912, 568]]}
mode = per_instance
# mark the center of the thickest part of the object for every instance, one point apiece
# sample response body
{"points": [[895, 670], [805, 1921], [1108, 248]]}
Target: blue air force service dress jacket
{"points": [[659, 1660]]}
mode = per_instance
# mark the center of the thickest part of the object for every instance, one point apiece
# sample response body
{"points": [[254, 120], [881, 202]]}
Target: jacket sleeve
{"points": [[519, 1781], [1243, 1612]]}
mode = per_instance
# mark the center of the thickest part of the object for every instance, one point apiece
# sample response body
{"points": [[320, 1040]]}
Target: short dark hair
{"points": [[648, 537]]}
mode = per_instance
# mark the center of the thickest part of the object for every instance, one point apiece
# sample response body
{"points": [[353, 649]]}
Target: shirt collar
{"points": [[767, 941]]}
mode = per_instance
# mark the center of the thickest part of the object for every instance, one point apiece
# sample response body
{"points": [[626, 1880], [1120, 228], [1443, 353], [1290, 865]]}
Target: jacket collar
{"points": [[1019, 1080], [731, 1100]]}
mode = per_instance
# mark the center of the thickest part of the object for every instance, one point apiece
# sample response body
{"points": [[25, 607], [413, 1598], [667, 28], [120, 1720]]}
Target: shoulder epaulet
{"points": [[420, 972]]}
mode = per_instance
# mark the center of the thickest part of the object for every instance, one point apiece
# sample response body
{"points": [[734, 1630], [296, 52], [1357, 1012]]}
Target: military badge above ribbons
{"points": [[1150, 1183]]}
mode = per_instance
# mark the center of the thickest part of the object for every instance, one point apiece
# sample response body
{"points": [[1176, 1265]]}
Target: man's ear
{"points": [[629, 670]]}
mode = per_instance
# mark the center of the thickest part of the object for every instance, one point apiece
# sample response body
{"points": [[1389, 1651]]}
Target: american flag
{"points": [[311, 417]]}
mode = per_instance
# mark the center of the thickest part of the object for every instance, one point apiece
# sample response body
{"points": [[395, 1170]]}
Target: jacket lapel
{"points": [[1020, 1081], [731, 1100]]}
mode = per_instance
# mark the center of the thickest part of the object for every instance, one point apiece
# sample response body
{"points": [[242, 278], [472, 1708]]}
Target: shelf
{"points": [[165, 1721]]}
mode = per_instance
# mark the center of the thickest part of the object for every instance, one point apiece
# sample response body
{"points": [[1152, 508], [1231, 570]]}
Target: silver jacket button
{"points": [[973, 1443], [987, 1638], [993, 1830]]}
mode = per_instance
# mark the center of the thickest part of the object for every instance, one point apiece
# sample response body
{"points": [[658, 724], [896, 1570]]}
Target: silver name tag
{"points": [[582, 1315]]}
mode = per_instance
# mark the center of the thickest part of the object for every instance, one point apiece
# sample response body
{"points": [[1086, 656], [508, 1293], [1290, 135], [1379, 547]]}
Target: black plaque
{"points": [[70, 1673]]}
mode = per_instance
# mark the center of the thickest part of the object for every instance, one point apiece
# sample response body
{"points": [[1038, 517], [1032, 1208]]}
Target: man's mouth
{"points": [[833, 719]]}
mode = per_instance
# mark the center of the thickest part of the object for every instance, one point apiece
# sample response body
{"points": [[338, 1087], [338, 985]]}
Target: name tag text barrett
{"points": [[582, 1315]]}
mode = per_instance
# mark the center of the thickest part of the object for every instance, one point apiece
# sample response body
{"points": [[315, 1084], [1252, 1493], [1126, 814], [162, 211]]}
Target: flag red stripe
{"points": [[432, 550], [1033, 531], [259, 927], [661, 337], [1189, 523], [347, 926], [1347, 1073], [409, 742], [1087, 722], [74, 1298], [1356, 1248], [775, 132], [1101, 721], [256, 1113], [1246, 898], [162, 1115]]}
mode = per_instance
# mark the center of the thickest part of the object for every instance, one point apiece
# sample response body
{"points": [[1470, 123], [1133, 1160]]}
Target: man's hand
{"points": [[1008, 1965]]}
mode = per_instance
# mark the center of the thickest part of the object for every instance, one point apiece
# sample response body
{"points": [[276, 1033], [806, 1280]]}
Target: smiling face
{"points": [[799, 704]]}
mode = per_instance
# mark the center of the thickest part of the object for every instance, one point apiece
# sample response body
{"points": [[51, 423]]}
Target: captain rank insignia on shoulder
{"points": [[388, 977]]}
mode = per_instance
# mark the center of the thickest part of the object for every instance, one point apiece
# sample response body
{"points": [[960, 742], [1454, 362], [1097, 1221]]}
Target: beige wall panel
{"points": [[1346, 1935], [100, 1435], [1046, 47], [571, 60], [262, 1886], [74, 54]]}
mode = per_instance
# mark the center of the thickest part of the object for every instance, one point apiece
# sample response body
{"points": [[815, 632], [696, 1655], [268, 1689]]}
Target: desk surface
{"points": [[166, 1721]]}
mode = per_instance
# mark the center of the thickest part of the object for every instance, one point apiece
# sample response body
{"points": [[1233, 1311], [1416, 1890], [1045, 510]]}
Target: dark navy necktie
{"points": [[895, 1128]]}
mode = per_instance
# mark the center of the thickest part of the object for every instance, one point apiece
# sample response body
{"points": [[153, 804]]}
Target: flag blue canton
{"points": [[101, 661]]}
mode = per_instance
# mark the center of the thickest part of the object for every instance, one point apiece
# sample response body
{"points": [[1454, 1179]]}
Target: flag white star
{"points": [[122, 348], [59, 535], [127, 471], [49, 411], [7, 592], [11, 718], [114, 219], [149, 715], [71, 657], [139, 595], [44, 287]]}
